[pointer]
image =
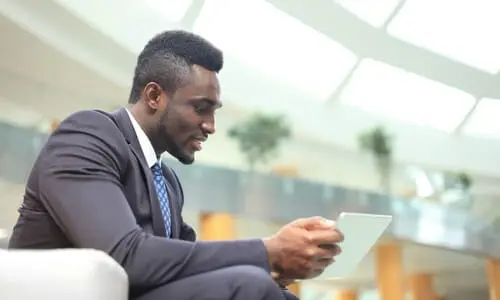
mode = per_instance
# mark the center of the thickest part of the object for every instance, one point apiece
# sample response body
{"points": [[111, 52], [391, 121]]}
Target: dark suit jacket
{"points": [[91, 188]]}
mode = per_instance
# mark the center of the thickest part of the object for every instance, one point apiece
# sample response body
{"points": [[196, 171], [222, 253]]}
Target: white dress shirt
{"points": [[144, 142]]}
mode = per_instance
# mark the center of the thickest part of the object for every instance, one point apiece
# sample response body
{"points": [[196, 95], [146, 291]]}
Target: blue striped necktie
{"points": [[161, 191]]}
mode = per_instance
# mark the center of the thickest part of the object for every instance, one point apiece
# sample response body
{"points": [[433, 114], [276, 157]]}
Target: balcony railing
{"points": [[269, 197]]}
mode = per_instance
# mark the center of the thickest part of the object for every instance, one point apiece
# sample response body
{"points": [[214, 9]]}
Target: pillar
{"points": [[295, 289], [53, 125], [389, 272], [346, 295], [286, 171], [217, 226], [493, 272], [421, 287]]}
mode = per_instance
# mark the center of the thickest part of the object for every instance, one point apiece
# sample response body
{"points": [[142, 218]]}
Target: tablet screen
{"points": [[361, 233]]}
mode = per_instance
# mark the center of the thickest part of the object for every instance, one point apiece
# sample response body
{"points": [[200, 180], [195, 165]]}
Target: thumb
{"points": [[314, 222], [275, 275]]}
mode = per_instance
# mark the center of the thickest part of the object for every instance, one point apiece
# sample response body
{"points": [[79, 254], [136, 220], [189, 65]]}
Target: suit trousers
{"points": [[232, 283]]}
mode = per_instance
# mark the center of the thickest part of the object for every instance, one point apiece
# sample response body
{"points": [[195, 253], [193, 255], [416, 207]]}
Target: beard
{"points": [[166, 135]]}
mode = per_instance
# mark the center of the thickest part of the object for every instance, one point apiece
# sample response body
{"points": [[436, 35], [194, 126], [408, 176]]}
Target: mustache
{"points": [[201, 138]]}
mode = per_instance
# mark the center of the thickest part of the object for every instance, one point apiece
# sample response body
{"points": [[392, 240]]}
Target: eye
{"points": [[203, 108]]}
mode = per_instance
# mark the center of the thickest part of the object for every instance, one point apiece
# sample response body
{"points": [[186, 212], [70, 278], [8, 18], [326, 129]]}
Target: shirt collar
{"points": [[144, 142]]}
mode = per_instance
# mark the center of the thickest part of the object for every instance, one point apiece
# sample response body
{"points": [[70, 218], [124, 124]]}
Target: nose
{"points": [[208, 126]]}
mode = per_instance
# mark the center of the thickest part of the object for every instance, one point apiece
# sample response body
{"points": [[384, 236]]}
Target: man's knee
{"points": [[253, 277]]}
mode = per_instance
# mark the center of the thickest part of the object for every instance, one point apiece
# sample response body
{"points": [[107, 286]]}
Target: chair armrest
{"points": [[74, 274]]}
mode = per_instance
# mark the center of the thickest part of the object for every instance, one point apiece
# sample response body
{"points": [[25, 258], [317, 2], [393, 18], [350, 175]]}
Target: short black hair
{"points": [[166, 59]]}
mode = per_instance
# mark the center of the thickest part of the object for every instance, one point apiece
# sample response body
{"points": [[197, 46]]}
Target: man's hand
{"points": [[303, 248], [282, 282]]}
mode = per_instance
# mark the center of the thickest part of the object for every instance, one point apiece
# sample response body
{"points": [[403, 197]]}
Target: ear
{"points": [[153, 94]]}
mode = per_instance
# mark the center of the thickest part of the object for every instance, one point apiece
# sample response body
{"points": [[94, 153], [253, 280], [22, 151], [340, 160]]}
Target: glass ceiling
{"points": [[172, 10], [277, 44], [464, 30], [484, 120], [393, 92], [288, 51]]}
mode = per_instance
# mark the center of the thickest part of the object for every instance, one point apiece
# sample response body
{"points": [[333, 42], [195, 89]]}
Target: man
{"points": [[98, 183]]}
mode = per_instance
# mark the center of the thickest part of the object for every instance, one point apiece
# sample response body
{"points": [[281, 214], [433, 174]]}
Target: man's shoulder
{"points": [[89, 126], [89, 116], [91, 121], [93, 134]]}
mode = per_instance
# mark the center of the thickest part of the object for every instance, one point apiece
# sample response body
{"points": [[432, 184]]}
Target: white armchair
{"points": [[75, 274]]}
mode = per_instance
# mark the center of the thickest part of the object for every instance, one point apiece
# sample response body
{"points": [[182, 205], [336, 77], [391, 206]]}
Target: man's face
{"points": [[188, 116]]}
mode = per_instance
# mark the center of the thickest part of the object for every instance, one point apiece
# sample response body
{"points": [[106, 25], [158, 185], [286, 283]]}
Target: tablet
{"points": [[361, 233]]}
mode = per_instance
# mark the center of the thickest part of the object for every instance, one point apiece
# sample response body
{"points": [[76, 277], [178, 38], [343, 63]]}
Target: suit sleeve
{"points": [[80, 187]]}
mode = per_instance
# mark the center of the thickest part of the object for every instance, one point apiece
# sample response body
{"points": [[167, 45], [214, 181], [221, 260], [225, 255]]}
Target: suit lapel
{"points": [[123, 120], [172, 201], [156, 215]]}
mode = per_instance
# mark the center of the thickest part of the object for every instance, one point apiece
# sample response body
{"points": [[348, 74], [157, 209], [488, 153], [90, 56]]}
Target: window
{"points": [[372, 12], [276, 44], [393, 92], [464, 30], [484, 120]]}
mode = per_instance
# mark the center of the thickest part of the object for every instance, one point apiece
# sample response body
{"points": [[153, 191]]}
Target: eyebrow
{"points": [[213, 102]]}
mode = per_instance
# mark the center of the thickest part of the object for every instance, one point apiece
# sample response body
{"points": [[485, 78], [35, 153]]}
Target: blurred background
{"points": [[381, 106]]}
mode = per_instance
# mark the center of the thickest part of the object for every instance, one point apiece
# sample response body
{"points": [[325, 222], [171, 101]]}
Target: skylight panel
{"points": [[484, 120], [395, 93], [276, 44], [172, 10], [465, 30], [372, 12]]}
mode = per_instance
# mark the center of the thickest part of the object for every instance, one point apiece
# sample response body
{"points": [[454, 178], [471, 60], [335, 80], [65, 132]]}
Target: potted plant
{"points": [[458, 180], [457, 190], [378, 143], [259, 137], [463, 180]]}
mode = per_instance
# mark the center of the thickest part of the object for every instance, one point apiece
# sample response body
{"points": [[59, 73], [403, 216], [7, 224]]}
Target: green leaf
{"points": [[260, 136], [376, 141]]}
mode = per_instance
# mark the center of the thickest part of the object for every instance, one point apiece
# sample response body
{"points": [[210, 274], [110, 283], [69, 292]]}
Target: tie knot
{"points": [[156, 168]]}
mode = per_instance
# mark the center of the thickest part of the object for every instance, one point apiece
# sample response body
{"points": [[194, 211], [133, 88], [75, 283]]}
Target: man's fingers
{"points": [[275, 275], [341, 235], [326, 253], [314, 223], [325, 262], [325, 237], [334, 249]]}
